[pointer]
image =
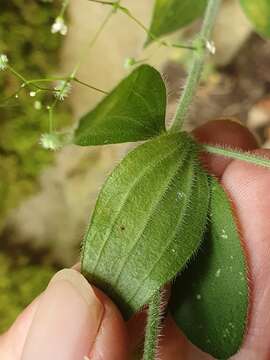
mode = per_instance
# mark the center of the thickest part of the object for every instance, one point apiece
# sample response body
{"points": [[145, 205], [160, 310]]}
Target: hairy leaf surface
{"points": [[171, 15], [149, 220], [135, 110], [210, 299], [258, 11]]}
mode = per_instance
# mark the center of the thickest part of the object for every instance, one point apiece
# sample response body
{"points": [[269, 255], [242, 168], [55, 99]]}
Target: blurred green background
{"points": [[34, 52]]}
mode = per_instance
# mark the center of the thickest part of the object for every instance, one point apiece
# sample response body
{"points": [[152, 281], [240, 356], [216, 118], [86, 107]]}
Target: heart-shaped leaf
{"points": [[135, 110], [171, 15], [258, 11], [210, 299], [147, 222]]}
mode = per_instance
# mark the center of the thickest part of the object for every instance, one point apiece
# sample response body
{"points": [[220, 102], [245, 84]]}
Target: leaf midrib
{"points": [[148, 219], [167, 245], [122, 204]]}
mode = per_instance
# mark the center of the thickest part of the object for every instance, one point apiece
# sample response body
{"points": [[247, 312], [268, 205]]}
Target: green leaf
{"points": [[171, 15], [147, 222], [210, 299], [258, 12], [135, 110]]}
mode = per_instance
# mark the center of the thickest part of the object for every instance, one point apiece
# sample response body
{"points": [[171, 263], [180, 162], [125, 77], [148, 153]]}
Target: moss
{"points": [[33, 51], [19, 286]]}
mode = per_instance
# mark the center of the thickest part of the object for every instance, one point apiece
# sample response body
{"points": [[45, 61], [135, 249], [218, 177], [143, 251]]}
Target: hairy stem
{"points": [[238, 155], [196, 66], [153, 327]]}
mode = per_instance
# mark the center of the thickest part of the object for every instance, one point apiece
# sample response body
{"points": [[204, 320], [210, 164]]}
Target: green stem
{"points": [[238, 155], [51, 128], [103, 2], [153, 327], [64, 7], [196, 66], [90, 86], [19, 76], [33, 81], [72, 75], [127, 12], [91, 44], [29, 83]]}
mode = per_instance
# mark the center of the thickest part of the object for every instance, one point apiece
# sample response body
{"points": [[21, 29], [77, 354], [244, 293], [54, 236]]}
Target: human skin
{"points": [[71, 319]]}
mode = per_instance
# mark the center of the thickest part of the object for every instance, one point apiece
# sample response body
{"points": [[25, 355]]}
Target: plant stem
{"points": [[104, 2], [18, 75], [238, 155], [64, 8], [91, 44], [29, 83], [90, 86], [127, 12], [196, 66], [72, 75], [153, 327]]}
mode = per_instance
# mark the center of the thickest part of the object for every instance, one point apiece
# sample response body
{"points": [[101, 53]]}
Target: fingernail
{"points": [[67, 320]]}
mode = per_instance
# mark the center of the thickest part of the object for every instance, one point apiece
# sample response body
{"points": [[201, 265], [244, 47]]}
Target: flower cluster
{"points": [[50, 141], [59, 26], [62, 90]]}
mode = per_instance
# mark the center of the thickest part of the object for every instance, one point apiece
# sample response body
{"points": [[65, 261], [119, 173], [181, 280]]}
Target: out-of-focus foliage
{"points": [[33, 51], [18, 287], [26, 39], [259, 14]]}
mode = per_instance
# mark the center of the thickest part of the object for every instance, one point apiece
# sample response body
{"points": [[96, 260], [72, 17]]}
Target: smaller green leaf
{"points": [[258, 12], [210, 299], [135, 110], [171, 15]]}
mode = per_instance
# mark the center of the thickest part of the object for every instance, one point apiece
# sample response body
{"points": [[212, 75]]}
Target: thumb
{"points": [[71, 321], [67, 320]]}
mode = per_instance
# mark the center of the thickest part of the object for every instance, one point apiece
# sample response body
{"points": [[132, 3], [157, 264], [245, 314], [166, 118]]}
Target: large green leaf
{"points": [[258, 11], [147, 222], [210, 299], [171, 15], [135, 110]]}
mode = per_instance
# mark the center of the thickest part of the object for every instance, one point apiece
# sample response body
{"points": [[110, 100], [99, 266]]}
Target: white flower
{"points": [[62, 90], [32, 93], [210, 46], [3, 61], [50, 141], [59, 26]]}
